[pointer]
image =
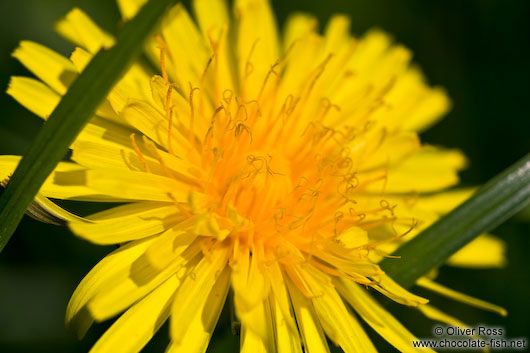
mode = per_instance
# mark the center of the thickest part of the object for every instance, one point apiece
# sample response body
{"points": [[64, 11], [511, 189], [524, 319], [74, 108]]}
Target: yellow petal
{"points": [[128, 222], [41, 99], [353, 237], [188, 50], [444, 202], [131, 185], [114, 266], [372, 48], [297, 26], [415, 105], [171, 243], [394, 291], [95, 155], [211, 14], [132, 281], [282, 302], [392, 151], [464, 298], [55, 210], [376, 316], [214, 23], [194, 291], [338, 323], [67, 181], [437, 315], [102, 131], [55, 70], [308, 322], [485, 251], [337, 33], [257, 45], [78, 28], [132, 85], [287, 335], [98, 155], [34, 95], [80, 58], [200, 329], [429, 110], [146, 118], [258, 340], [136, 326], [250, 285], [129, 8], [430, 169]]}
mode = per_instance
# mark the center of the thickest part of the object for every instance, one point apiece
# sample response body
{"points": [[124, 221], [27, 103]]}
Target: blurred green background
{"points": [[478, 50]]}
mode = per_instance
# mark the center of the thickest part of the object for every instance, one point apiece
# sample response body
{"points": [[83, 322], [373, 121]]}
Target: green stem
{"points": [[492, 204]]}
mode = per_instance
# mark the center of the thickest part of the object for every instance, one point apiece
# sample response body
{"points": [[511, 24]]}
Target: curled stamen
{"points": [[345, 163], [240, 127], [254, 101], [243, 108], [251, 159], [249, 67], [209, 133], [227, 95], [386, 206], [327, 105]]}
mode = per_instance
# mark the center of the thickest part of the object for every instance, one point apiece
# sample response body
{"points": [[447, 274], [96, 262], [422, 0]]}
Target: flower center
{"points": [[283, 188]]}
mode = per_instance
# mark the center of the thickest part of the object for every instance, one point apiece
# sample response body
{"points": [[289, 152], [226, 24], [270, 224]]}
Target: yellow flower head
{"points": [[282, 167]]}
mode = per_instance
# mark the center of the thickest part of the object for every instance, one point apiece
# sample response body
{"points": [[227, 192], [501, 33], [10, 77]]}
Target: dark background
{"points": [[478, 50]]}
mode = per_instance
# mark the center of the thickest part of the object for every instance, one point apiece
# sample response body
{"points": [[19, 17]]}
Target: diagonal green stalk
{"points": [[492, 204], [72, 113]]}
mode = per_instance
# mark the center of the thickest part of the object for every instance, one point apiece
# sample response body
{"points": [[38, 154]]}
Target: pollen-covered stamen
{"points": [[317, 74], [210, 137], [327, 106], [139, 153], [181, 207], [269, 73], [163, 50], [169, 116], [149, 144], [205, 71], [192, 114]]}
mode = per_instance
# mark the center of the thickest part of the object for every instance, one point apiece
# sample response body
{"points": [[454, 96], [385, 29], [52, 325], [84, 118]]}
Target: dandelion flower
{"points": [[278, 167]]}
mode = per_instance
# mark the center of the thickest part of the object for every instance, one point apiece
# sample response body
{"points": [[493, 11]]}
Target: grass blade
{"points": [[72, 113], [492, 204]]}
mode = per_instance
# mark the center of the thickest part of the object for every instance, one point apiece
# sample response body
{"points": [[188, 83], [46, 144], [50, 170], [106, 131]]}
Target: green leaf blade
{"points": [[73, 112], [492, 204]]}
